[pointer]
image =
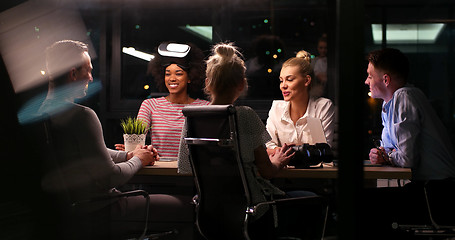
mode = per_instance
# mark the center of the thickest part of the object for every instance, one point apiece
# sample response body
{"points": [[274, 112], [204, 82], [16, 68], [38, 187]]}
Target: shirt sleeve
{"points": [[272, 130], [405, 130], [117, 156], [327, 116], [107, 173], [251, 125], [145, 112]]}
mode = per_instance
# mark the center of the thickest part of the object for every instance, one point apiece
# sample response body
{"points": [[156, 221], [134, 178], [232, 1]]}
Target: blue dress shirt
{"points": [[416, 137]]}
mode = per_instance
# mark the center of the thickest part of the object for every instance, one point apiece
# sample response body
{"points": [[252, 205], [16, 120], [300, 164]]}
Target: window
{"points": [[425, 34], [267, 33]]}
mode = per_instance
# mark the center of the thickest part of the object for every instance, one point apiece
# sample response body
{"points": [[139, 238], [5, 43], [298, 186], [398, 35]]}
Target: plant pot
{"points": [[132, 140]]}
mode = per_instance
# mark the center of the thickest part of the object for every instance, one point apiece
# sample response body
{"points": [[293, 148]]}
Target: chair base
{"points": [[427, 230]]}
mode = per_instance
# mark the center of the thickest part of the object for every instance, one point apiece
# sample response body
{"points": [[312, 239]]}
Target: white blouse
{"points": [[283, 130]]}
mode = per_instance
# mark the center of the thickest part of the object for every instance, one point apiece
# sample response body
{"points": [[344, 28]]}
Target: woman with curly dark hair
{"points": [[180, 70]]}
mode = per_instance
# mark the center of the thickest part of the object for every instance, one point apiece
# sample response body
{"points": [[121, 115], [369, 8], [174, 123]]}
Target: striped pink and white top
{"points": [[167, 121]]}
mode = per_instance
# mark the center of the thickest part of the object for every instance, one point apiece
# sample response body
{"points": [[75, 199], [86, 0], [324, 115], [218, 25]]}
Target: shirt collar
{"points": [[386, 105], [286, 116]]}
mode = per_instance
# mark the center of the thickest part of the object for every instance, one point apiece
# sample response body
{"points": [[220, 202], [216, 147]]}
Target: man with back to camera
{"points": [[86, 167], [413, 137]]}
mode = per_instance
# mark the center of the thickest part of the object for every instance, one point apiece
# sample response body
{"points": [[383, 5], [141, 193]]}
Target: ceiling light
{"points": [[422, 33], [135, 53], [204, 32]]}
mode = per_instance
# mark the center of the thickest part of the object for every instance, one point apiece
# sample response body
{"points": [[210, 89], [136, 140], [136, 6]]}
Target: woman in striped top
{"points": [[178, 69]]}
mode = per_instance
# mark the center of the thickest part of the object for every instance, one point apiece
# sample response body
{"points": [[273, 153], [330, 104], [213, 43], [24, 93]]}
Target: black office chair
{"points": [[440, 210], [64, 217], [223, 202]]}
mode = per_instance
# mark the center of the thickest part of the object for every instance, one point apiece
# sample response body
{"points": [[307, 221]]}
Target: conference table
{"points": [[328, 171]]}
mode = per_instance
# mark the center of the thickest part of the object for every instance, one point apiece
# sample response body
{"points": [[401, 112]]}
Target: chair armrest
{"points": [[295, 200], [209, 141], [195, 200], [294, 204], [120, 195], [114, 196]]}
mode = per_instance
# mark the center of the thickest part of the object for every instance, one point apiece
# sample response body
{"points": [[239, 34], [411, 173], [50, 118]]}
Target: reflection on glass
{"points": [[266, 33], [424, 33], [135, 53]]}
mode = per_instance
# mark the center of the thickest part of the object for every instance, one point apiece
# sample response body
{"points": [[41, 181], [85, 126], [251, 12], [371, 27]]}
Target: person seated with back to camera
{"points": [[89, 169], [181, 75], [225, 82], [287, 122]]}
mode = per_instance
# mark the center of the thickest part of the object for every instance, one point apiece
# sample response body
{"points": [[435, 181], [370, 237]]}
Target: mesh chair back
{"points": [[223, 196]]}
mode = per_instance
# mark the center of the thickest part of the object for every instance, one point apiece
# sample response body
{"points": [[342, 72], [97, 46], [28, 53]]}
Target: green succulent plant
{"points": [[132, 125]]}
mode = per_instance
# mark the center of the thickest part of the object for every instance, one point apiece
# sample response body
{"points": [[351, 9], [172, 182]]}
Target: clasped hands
{"points": [[147, 154], [378, 155]]}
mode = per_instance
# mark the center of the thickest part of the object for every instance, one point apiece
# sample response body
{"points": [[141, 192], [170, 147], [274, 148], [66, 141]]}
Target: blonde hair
{"points": [[304, 54], [303, 61], [225, 70]]}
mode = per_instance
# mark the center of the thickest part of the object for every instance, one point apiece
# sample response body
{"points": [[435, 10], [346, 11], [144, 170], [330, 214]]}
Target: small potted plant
{"points": [[134, 132]]}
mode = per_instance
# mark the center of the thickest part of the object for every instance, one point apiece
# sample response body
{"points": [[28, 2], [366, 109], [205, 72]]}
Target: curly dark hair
{"points": [[194, 67]]}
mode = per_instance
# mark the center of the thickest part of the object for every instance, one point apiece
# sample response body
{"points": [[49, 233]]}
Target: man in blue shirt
{"points": [[413, 137]]}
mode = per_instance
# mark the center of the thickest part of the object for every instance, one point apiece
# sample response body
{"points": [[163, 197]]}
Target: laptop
{"points": [[316, 130]]}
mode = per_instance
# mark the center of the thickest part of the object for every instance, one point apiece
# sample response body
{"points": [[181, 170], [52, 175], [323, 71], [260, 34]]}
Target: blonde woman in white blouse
{"points": [[287, 121]]}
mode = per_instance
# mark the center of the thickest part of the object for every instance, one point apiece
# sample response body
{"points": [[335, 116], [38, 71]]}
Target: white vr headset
{"points": [[173, 50]]}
